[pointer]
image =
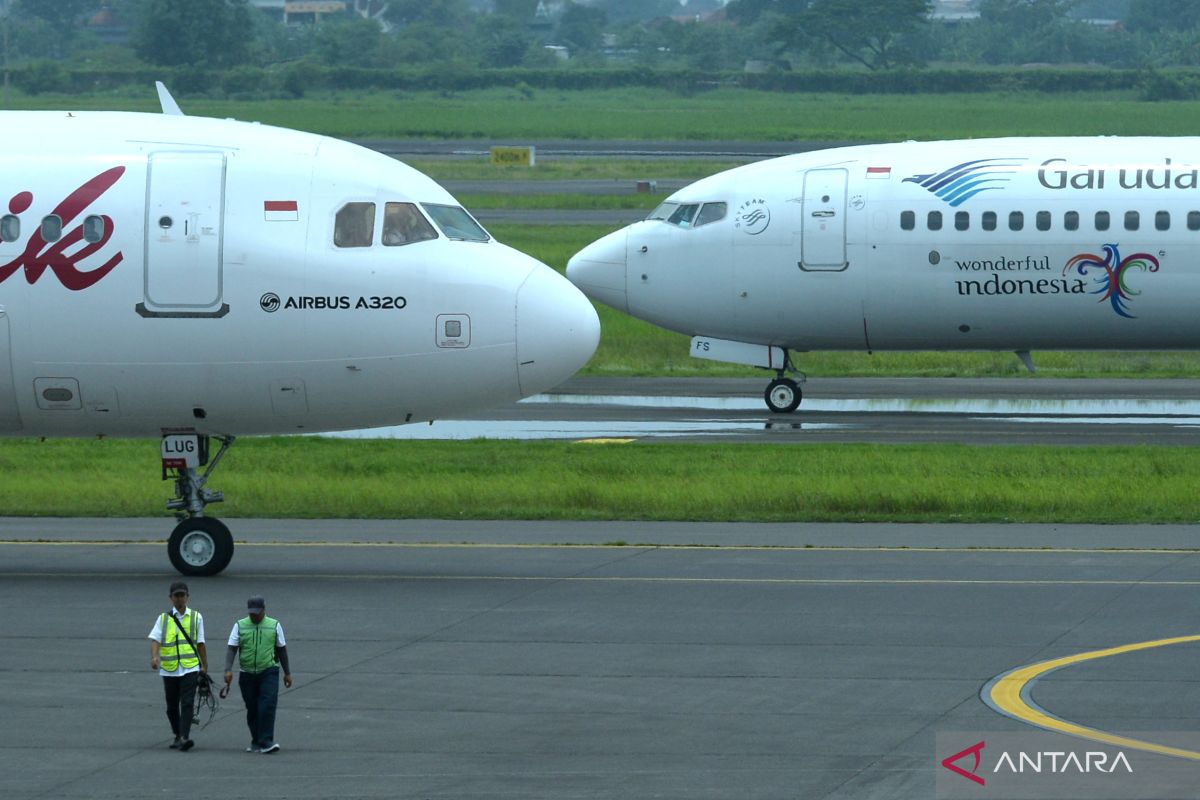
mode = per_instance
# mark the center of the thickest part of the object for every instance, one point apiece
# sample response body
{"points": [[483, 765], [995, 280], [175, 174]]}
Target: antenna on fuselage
{"points": [[169, 106]]}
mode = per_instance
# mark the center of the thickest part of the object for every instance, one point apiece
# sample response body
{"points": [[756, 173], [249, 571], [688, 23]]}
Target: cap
{"points": [[178, 586], [256, 603]]}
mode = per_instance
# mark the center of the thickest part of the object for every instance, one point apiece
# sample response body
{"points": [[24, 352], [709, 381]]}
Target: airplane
{"points": [[1009, 244], [197, 279]]}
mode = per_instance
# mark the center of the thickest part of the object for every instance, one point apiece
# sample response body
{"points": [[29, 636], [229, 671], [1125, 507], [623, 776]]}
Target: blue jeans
{"points": [[260, 691]]}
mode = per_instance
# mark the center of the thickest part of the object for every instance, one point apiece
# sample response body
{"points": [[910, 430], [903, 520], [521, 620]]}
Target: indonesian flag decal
{"points": [[879, 173], [281, 211]]}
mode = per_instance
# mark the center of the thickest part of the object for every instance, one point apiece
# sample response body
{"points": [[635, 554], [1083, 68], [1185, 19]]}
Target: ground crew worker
{"points": [[263, 650], [178, 662]]}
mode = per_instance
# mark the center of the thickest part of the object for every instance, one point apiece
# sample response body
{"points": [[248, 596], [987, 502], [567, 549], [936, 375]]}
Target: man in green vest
{"points": [[179, 661], [263, 649]]}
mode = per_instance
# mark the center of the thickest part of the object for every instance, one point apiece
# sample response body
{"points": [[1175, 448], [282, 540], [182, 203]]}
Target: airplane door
{"points": [[185, 208], [10, 420], [823, 243]]}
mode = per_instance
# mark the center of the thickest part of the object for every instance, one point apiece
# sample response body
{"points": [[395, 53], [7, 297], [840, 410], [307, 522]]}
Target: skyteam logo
{"points": [[963, 181]]}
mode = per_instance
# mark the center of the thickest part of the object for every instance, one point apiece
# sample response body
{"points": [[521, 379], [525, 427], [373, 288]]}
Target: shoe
{"points": [[175, 744], [185, 745], [252, 748], [273, 747]]}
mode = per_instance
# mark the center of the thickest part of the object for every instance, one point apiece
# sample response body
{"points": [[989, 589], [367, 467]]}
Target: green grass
{"points": [[727, 114], [314, 477], [478, 168], [561, 201]]}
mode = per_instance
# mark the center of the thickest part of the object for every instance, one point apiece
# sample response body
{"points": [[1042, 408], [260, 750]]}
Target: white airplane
{"points": [[991, 244], [186, 278]]}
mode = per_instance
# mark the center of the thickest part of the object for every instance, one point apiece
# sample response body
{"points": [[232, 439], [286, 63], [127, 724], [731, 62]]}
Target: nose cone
{"points": [[599, 270], [557, 331]]}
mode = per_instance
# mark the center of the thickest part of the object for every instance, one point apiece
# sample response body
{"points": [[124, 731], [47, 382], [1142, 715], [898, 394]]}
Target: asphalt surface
{"points": [[463, 660]]}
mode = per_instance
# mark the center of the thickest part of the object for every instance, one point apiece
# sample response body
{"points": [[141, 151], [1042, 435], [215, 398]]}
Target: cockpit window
{"points": [[663, 211], [684, 215], [456, 223], [354, 225], [711, 212], [403, 223]]}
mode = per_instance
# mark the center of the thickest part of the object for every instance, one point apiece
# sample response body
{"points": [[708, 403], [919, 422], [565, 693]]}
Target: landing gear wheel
{"points": [[782, 395], [200, 546]]}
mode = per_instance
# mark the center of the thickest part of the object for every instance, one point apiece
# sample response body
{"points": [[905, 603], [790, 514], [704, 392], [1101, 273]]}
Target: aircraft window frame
{"points": [[51, 228], [720, 209], [94, 227], [662, 212], [351, 232], [962, 220], [1071, 221], [403, 223], [1043, 220], [456, 223], [1162, 220], [1133, 220], [988, 220], [1103, 220], [934, 220], [1193, 220], [1016, 220], [908, 220], [10, 228], [684, 215]]}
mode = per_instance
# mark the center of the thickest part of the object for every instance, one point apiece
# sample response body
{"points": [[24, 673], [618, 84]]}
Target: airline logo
{"points": [[1112, 280], [40, 255], [973, 750], [960, 183]]}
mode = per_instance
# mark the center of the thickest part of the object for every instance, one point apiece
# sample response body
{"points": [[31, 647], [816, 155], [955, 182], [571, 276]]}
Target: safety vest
{"points": [[175, 649], [256, 644]]}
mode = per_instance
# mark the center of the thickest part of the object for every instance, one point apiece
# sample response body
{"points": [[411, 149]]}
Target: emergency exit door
{"points": [[823, 242], [185, 208]]}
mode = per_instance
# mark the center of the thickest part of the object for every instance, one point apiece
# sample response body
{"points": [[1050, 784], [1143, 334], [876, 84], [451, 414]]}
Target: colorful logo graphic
{"points": [[40, 255], [753, 217], [963, 181], [975, 750], [1113, 283]]}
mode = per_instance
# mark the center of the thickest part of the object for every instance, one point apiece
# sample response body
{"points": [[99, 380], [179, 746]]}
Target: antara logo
{"points": [[960, 183], [974, 750], [40, 255], [1113, 284]]}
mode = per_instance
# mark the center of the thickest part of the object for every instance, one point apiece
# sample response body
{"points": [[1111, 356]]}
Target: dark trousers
{"points": [[261, 693], [181, 702]]}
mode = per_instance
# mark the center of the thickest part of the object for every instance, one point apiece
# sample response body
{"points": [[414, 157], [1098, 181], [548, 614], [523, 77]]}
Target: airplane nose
{"points": [[557, 331], [599, 270]]}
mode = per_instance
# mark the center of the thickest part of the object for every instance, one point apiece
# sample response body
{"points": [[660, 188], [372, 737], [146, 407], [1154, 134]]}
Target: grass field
{"points": [[729, 114], [313, 477]]}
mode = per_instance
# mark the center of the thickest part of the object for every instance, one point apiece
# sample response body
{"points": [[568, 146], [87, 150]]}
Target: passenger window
{"points": [[51, 228], [403, 223], [935, 220], [354, 225], [1162, 221], [1102, 220], [988, 221], [908, 220], [663, 211], [1042, 220], [10, 228], [1194, 220], [1071, 220], [1016, 221], [1132, 220], [456, 223], [683, 215], [93, 228], [962, 220], [711, 212]]}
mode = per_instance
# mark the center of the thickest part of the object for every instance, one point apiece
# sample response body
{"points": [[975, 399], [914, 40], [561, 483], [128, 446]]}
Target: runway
{"points": [[475, 659], [992, 411]]}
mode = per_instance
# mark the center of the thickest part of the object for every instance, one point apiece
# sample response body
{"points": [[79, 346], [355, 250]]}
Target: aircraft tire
{"points": [[200, 546], [782, 395]]}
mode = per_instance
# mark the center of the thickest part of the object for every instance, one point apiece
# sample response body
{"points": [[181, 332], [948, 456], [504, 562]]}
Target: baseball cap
{"points": [[178, 586], [256, 603]]}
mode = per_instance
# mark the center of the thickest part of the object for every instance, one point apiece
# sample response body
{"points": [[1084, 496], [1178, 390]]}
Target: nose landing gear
{"points": [[199, 545], [783, 394]]}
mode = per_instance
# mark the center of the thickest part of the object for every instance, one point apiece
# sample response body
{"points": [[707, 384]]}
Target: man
{"points": [[263, 649], [179, 662]]}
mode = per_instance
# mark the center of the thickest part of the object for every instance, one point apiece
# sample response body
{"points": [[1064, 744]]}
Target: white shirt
{"points": [[156, 633]]}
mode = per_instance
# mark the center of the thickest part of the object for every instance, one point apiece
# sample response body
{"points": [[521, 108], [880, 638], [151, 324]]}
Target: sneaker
{"points": [[273, 747], [185, 745], [175, 744], [252, 748]]}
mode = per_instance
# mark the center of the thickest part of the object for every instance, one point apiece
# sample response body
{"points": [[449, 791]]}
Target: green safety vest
{"points": [[256, 648], [175, 649]]}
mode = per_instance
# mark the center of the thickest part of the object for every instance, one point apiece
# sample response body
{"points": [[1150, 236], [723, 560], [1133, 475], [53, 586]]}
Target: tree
{"points": [[447, 13], [581, 28], [211, 33], [1153, 16], [871, 32]]}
